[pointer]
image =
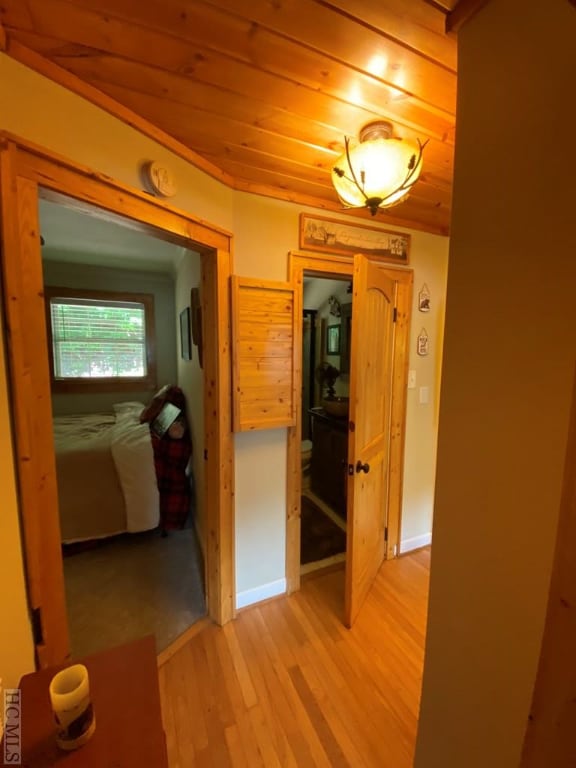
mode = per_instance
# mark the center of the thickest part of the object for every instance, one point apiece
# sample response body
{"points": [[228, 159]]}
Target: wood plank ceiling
{"points": [[266, 90]]}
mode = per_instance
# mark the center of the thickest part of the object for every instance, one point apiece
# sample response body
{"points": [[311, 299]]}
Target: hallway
{"points": [[287, 685]]}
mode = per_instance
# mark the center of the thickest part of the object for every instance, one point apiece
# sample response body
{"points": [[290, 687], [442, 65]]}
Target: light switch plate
{"points": [[411, 379], [423, 395]]}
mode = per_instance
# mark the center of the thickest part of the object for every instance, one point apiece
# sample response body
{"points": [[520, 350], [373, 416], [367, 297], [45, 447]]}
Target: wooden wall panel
{"points": [[263, 332]]}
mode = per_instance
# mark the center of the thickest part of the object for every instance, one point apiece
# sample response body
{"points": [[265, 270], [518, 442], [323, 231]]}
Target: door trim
{"points": [[342, 266], [26, 173]]}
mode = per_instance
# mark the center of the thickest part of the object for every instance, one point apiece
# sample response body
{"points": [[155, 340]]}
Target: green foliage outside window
{"points": [[97, 339]]}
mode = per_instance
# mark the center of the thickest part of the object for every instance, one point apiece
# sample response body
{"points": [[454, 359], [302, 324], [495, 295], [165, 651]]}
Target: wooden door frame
{"points": [[343, 266], [27, 172]]}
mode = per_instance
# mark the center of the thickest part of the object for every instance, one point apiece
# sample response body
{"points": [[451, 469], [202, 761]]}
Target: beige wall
{"points": [[509, 356], [265, 230]]}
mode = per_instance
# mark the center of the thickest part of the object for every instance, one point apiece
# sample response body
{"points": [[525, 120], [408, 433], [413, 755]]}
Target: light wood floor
{"points": [[286, 685]]}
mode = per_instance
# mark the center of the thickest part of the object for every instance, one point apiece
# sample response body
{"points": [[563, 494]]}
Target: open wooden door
{"points": [[373, 319]]}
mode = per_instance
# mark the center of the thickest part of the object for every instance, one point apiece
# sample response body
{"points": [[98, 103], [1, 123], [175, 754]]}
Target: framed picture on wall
{"points": [[195, 312], [185, 340], [333, 340], [196, 318], [318, 233]]}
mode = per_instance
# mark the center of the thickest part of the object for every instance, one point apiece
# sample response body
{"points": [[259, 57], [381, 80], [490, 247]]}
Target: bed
{"points": [[106, 474]]}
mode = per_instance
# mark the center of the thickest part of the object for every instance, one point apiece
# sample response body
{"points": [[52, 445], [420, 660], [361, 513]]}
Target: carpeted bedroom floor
{"points": [[134, 585]]}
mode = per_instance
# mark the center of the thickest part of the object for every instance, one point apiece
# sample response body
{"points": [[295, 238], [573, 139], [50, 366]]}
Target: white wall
{"points": [[317, 290], [189, 379], [265, 230], [430, 263], [509, 357], [161, 286]]}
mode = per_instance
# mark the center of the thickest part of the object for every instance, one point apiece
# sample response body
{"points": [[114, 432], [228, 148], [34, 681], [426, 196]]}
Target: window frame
{"points": [[112, 383]]}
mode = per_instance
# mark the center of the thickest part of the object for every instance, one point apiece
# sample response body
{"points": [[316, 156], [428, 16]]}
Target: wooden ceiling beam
{"points": [[240, 90], [462, 12], [328, 105], [351, 43], [271, 135], [254, 33], [235, 55], [296, 120], [427, 34], [3, 38]]}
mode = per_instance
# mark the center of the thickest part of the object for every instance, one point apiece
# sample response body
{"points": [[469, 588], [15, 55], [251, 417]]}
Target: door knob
{"points": [[362, 467]]}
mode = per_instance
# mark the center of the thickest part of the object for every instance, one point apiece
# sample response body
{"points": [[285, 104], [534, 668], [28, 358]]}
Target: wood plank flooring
{"points": [[286, 685]]}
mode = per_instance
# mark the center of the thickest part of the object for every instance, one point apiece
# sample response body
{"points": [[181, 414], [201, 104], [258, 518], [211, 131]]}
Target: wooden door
{"points": [[369, 435]]}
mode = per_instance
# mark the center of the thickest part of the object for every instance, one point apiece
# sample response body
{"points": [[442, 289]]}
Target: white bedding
{"points": [[106, 476], [133, 456]]}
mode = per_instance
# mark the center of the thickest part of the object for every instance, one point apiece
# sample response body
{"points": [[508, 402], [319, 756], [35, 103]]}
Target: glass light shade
{"points": [[377, 173]]}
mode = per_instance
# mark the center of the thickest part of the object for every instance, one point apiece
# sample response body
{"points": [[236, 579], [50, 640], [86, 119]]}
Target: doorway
{"points": [[325, 389], [400, 281], [131, 556], [27, 174]]}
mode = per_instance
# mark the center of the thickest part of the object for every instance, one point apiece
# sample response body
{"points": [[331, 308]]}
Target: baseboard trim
{"points": [[407, 545], [256, 595]]}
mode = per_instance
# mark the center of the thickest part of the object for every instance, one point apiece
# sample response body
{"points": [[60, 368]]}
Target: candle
{"points": [[72, 707]]}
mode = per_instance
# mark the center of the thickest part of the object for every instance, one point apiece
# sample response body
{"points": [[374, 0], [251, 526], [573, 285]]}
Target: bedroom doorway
{"points": [[29, 173], [131, 555]]}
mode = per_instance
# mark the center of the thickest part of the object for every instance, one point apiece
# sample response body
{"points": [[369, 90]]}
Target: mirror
{"points": [[345, 337]]}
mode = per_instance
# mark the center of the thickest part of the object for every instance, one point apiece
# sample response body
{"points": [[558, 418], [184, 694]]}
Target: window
{"points": [[100, 341]]}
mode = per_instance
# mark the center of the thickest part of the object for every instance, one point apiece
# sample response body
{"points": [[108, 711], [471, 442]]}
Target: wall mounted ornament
{"points": [[185, 344], [335, 308], [424, 299], [423, 347]]}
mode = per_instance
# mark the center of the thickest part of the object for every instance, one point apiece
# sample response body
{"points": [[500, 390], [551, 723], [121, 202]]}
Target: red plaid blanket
{"points": [[171, 457]]}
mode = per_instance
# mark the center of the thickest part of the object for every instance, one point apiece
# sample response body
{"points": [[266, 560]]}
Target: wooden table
{"points": [[126, 699]]}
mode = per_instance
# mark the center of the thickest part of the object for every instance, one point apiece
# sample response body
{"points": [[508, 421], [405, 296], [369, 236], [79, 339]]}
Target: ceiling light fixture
{"points": [[380, 171]]}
